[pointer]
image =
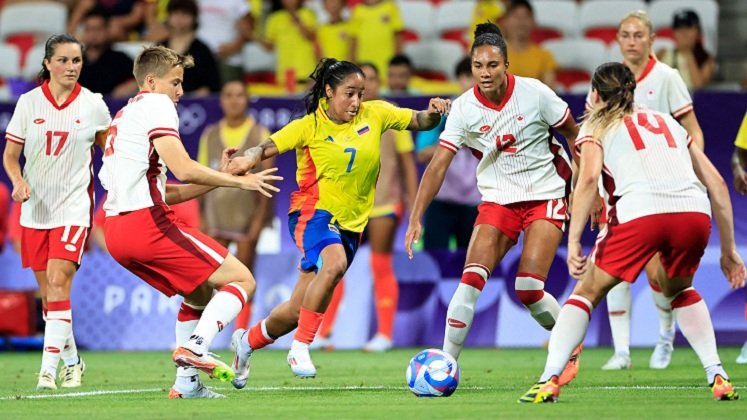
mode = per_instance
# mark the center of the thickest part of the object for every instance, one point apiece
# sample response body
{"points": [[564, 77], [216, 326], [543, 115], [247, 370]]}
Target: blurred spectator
{"points": [[452, 213], [225, 25], [739, 161], [486, 11], [126, 16], [334, 37], [182, 23], [525, 58], [4, 213], [399, 74], [378, 33], [695, 64], [105, 71], [291, 31]]}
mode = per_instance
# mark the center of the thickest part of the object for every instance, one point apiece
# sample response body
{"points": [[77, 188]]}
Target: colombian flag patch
{"points": [[363, 130]]}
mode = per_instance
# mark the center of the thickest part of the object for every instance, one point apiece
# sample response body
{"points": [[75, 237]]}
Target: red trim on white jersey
{"points": [[50, 98], [510, 82], [448, 146], [563, 119], [15, 139], [689, 141], [682, 111], [584, 140], [152, 174], [649, 66], [162, 131]]}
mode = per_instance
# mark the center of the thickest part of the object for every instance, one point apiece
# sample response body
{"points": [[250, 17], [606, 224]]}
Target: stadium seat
{"points": [[10, 65], [662, 13], [600, 19], [555, 19], [27, 24], [258, 63], [418, 17], [131, 48], [577, 59], [435, 60], [33, 64], [453, 20]]}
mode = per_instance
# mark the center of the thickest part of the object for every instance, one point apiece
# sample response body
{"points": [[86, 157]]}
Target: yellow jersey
{"points": [[292, 49], [741, 140], [338, 164], [334, 40], [376, 26]]}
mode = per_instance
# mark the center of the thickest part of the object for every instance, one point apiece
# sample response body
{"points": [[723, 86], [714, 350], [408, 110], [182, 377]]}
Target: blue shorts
{"points": [[313, 234]]}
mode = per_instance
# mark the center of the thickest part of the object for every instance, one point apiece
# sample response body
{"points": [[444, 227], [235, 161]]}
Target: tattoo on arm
{"points": [[427, 121]]}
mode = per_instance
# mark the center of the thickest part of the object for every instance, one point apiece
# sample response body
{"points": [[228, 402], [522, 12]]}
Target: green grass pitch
{"points": [[352, 384]]}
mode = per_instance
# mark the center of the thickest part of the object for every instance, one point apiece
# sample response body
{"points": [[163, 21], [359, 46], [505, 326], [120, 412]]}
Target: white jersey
{"points": [[133, 174], [519, 158], [660, 88], [647, 168], [58, 143]]}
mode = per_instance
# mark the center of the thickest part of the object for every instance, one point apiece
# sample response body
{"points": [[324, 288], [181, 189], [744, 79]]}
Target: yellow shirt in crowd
{"points": [[292, 49], [533, 62], [334, 40], [375, 29]]}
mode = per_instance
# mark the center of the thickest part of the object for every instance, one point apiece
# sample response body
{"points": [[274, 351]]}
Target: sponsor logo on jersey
{"points": [[71, 247], [77, 120], [485, 128], [333, 228], [363, 130], [456, 323], [39, 121], [521, 120], [329, 139]]}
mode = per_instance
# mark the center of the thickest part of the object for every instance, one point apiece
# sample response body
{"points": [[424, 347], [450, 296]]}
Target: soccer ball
{"points": [[432, 373]]}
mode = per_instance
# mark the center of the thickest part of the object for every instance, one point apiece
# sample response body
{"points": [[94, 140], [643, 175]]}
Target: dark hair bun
{"points": [[487, 28]]}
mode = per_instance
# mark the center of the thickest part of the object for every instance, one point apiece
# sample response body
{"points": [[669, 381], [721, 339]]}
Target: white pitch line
{"points": [[339, 388]]}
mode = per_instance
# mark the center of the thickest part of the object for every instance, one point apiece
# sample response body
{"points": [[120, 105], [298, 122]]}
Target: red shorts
{"points": [[511, 219], [624, 249], [159, 248], [41, 245]]}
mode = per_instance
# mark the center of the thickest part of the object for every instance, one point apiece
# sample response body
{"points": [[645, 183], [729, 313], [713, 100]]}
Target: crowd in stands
{"points": [[276, 44]]}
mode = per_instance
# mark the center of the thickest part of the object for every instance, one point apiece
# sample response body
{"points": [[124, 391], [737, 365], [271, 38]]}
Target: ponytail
{"points": [[490, 34], [615, 84]]}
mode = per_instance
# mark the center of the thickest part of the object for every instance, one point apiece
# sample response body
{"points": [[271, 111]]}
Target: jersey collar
{"points": [[48, 94], [649, 66], [509, 91]]}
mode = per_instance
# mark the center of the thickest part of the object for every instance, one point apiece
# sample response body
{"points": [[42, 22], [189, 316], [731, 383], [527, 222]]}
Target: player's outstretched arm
{"points": [[252, 156], [584, 198], [11, 156], [431, 182], [731, 263], [179, 193], [429, 119]]}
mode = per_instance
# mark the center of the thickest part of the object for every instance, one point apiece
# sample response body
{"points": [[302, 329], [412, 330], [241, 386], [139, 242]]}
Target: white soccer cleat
{"points": [[46, 381], [618, 362], [742, 358], [662, 355], [300, 363], [201, 391], [378, 344], [70, 376], [241, 359]]}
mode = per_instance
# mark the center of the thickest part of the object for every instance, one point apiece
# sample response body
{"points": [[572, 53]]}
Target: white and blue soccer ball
{"points": [[432, 373]]}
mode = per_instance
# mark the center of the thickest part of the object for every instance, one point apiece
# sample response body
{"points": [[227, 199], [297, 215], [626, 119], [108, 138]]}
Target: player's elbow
{"points": [[184, 171]]}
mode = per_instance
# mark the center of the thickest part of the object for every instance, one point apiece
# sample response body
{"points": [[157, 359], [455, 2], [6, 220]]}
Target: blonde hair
{"points": [[641, 15], [615, 84], [158, 60]]}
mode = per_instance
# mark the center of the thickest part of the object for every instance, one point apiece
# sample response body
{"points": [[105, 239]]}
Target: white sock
{"points": [[69, 353], [543, 306], [569, 331], [298, 345], [695, 323], [666, 317], [56, 332], [186, 321], [220, 311], [618, 310], [461, 309]]}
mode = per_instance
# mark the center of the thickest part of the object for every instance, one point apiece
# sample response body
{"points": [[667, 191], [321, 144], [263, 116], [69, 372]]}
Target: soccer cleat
{"points": [[742, 358], [200, 392], [241, 359], [300, 363], [378, 344], [618, 361], [542, 392], [70, 376], [184, 357], [723, 390], [571, 368], [662, 355], [46, 381]]}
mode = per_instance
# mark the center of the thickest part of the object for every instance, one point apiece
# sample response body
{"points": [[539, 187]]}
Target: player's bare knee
{"points": [[334, 269]]}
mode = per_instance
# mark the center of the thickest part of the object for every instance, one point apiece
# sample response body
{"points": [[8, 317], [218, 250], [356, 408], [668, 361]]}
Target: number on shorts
{"points": [[660, 128], [350, 150], [62, 138], [505, 143], [556, 209]]}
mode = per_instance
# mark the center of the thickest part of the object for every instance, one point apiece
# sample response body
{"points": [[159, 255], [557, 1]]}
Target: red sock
{"points": [[258, 337], [386, 292], [331, 313], [242, 320], [308, 324]]}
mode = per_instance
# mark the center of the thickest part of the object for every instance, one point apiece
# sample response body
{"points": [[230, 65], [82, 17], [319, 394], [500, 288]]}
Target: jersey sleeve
{"points": [[16, 130], [162, 118], [403, 142], [392, 117], [102, 118], [396, 23], [553, 110], [741, 140], [584, 136], [291, 136], [272, 26], [308, 18], [678, 97], [453, 136]]}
